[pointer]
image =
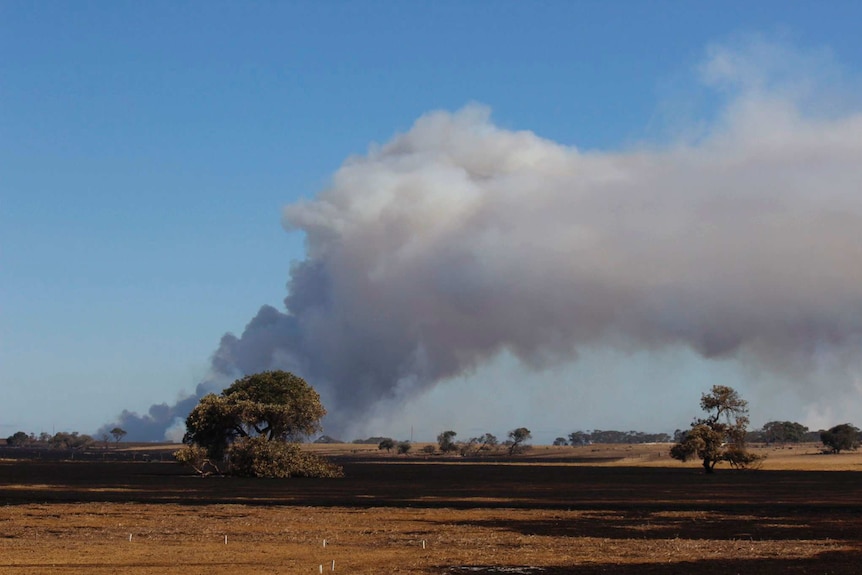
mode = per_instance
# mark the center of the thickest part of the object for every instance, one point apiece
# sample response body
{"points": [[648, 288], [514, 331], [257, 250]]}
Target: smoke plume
{"points": [[458, 240]]}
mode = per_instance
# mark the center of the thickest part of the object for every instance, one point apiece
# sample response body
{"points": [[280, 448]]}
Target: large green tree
{"points": [[252, 424], [720, 436]]}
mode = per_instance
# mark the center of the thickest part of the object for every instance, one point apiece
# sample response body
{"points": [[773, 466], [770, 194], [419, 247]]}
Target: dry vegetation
{"points": [[586, 510]]}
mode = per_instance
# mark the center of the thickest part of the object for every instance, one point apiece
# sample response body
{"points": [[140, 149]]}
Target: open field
{"points": [[597, 509], [800, 457]]}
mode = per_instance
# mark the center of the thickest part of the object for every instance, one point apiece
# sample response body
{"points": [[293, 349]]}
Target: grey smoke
{"points": [[458, 240]]}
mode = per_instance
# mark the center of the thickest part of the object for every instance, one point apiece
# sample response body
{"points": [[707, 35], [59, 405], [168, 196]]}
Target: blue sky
{"points": [[147, 151]]}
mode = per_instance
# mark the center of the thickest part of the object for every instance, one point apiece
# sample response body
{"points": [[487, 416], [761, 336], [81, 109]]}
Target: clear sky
{"points": [[148, 149]]}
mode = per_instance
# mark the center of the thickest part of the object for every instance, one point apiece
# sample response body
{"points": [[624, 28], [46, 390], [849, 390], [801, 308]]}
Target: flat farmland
{"points": [[613, 510]]}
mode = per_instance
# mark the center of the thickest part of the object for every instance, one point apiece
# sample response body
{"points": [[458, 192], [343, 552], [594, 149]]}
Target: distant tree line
{"points": [[782, 432], [839, 438], [72, 441], [486, 444], [447, 444], [389, 444], [843, 437], [373, 440], [325, 439], [611, 436]]}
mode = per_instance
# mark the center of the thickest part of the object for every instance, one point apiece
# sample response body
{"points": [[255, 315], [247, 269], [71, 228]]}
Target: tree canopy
{"points": [[74, 440], [613, 436], [272, 404], [18, 439], [840, 438], [446, 441], [483, 444], [721, 435], [783, 432], [119, 433], [517, 439], [253, 422]]}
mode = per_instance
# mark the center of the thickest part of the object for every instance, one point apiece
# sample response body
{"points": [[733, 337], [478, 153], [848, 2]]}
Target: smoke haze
{"points": [[459, 240]]}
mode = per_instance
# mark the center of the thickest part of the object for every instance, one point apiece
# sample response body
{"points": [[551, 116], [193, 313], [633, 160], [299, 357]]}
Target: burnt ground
{"points": [[550, 518]]}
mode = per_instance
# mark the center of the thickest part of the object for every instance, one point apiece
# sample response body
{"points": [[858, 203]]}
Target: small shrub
{"points": [[196, 457], [257, 457], [740, 458]]}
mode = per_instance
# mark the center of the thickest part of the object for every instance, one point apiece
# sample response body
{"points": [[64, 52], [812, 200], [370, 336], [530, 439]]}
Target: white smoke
{"points": [[459, 240]]}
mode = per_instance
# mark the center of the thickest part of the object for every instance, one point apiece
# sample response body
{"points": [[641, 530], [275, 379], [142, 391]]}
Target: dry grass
{"points": [[94, 538], [608, 509]]}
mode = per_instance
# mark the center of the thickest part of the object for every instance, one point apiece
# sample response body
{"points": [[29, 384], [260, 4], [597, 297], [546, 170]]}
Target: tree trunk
{"points": [[707, 465]]}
